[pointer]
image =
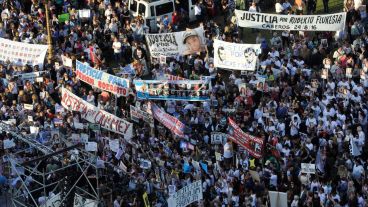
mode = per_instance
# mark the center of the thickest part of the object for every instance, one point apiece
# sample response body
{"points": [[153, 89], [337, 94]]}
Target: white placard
{"points": [[67, 61], [186, 195], [236, 56], [218, 138], [83, 138], [30, 118], [53, 201], [84, 13], [308, 168], [119, 153], [114, 145], [324, 22], [91, 147], [34, 130], [78, 125], [8, 143], [28, 107], [145, 164]]}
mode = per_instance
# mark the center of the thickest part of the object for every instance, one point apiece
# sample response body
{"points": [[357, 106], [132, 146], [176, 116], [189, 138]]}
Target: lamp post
{"points": [[49, 40]]}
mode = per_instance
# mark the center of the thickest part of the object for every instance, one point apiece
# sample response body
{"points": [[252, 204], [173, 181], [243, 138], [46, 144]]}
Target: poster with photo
{"points": [[324, 73]]}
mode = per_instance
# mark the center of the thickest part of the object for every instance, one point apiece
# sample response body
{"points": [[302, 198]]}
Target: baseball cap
{"points": [[189, 34]]}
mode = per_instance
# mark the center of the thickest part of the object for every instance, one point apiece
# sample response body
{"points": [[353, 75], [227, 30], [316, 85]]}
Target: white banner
{"points": [[80, 201], [95, 115], [186, 195], [171, 44], [104, 81], [20, 53], [327, 22], [236, 56]]}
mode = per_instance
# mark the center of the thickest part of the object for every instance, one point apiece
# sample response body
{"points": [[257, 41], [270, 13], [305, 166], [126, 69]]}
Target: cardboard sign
{"points": [[218, 138], [28, 107], [186, 195], [308, 168], [91, 147], [114, 145]]}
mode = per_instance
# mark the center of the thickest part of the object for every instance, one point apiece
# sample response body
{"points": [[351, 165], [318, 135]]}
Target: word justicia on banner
{"points": [[95, 115], [102, 80], [253, 145], [168, 121], [326, 22]]}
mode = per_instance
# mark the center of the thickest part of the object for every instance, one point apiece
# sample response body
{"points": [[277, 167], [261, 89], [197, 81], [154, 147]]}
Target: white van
{"points": [[150, 10]]}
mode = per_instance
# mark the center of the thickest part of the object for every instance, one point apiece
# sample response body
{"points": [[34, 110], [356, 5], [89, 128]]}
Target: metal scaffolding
{"points": [[29, 183]]}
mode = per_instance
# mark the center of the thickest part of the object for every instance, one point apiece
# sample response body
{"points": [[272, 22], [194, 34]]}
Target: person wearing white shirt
{"points": [[116, 46], [253, 7], [258, 113], [279, 8], [198, 11]]}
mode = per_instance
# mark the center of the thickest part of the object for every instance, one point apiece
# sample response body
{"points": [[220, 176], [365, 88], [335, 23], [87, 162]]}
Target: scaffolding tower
{"points": [[29, 184]]}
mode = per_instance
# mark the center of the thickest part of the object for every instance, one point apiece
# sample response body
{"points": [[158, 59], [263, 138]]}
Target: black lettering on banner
{"points": [[162, 38]]}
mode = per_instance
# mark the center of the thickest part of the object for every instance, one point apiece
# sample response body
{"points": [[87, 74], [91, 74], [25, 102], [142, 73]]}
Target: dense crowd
{"points": [[304, 115]]}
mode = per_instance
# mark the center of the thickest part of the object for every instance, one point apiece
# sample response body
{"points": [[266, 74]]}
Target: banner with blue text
{"points": [[104, 81]]}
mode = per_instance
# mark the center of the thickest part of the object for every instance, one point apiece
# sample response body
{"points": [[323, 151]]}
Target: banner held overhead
{"points": [[326, 22], [236, 56]]}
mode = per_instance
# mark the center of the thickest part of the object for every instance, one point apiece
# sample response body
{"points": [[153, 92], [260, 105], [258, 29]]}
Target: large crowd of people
{"points": [[311, 107]]}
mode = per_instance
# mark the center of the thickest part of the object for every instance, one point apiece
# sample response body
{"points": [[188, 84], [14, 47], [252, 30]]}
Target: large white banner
{"points": [[186, 195], [326, 22], [236, 56], [80, 201], [95, 115], [171, 44], [19, 53], [104, 81]]}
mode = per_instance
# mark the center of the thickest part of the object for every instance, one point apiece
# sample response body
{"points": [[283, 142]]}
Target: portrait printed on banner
{"points": [[260, 86], [324, 73], [243, 90], [193, 42], [349, 72], [324, 43], [221, 53], [250, 57]]}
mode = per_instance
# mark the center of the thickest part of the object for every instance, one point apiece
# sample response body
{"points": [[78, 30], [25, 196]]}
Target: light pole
{"points": [[49, 40]]}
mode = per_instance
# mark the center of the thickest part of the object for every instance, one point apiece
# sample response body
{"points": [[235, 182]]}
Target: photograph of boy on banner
{"points": [[193, 42]]}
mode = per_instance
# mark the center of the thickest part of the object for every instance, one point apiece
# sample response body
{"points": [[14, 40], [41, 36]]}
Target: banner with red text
{"points": [[19, 53], [168, 121], [95, 115], [254, 145], [104, 81]]}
